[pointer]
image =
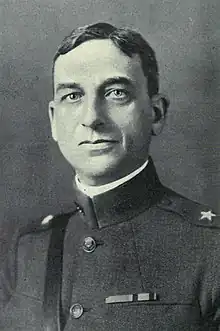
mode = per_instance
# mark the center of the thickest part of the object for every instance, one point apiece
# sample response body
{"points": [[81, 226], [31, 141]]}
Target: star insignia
{"points": [[207, 214]]}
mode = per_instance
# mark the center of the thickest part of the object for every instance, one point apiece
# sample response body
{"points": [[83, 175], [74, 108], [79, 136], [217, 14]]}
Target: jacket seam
{"points": [[20, 294]]}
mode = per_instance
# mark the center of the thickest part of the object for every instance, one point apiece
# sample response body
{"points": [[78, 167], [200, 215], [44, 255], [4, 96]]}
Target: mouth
{"points": [[98, 141]]}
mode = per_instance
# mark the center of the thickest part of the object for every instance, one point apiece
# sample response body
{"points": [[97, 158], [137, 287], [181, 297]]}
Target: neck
{"points": [[96, 190], [111, 176]]}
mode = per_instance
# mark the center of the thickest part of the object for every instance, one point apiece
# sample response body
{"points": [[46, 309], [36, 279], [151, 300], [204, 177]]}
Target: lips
{"points": [[98, 141]]}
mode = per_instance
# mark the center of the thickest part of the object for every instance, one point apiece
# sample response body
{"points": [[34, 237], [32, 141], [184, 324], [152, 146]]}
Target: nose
{"points": [[92, 115]]}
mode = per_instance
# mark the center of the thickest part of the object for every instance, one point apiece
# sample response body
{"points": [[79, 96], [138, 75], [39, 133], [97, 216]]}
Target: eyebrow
{"points": [[64, 86], [107, 82], [117, 80]]}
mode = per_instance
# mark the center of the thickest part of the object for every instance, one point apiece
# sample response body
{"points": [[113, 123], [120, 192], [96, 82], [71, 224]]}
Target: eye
{"points": [[118, 95], [72, 97]]}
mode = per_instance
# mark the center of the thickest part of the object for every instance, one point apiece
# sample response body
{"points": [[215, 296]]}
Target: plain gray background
{"points": [[35, 180]]}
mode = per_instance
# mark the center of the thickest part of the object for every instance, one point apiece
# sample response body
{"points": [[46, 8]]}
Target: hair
{"points": [[128, 41]]}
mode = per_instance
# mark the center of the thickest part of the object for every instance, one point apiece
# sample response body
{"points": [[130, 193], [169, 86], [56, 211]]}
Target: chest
{"points": [[131, 258]]}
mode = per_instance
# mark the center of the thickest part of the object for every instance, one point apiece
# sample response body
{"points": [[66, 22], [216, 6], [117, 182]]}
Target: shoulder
{"points": [[47, 222], [26, 239], [193, 212]]}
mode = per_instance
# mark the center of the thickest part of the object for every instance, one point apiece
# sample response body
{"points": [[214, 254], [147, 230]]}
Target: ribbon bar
{"points": [[131, 298]]}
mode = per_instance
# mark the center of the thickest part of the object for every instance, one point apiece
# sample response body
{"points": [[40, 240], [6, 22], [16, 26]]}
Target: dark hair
{"points": [[128, 41]]}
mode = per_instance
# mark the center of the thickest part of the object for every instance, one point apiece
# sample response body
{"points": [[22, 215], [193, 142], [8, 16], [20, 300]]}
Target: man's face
{"points": [[101, 115]]}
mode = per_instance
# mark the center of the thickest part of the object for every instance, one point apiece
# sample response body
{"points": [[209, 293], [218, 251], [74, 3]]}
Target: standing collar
{"points": [[92, 191], [123, 202]]}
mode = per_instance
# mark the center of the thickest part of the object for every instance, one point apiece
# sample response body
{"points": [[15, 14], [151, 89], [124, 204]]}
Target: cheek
{"points": [[135, 123], [66, 124]]}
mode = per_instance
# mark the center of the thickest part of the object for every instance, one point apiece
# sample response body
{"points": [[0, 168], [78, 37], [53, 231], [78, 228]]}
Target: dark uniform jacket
{"points": [[138, 257]]}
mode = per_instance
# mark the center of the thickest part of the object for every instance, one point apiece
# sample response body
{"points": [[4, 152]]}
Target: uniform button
{"points": [[76, 310], [89, 245]]}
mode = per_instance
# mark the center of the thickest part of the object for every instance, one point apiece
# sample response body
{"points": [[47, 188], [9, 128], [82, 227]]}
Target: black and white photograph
{"points": [[110, 165]]}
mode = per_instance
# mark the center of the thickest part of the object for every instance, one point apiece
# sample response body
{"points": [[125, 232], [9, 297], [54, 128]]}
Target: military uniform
{"points": [[138, 257]]}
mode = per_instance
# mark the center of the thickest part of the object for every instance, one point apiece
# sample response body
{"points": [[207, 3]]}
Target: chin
{"points": [[100, 171]]}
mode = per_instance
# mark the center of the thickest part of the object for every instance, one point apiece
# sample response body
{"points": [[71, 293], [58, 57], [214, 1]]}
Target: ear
{"points": [[51, 109], [160, 104]]}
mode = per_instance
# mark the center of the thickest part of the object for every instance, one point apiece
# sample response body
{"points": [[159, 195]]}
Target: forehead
{"points": [[97, 60]]}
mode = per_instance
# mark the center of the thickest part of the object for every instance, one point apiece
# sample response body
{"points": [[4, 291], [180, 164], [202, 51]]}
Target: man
{"points": [[132, 254]]}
